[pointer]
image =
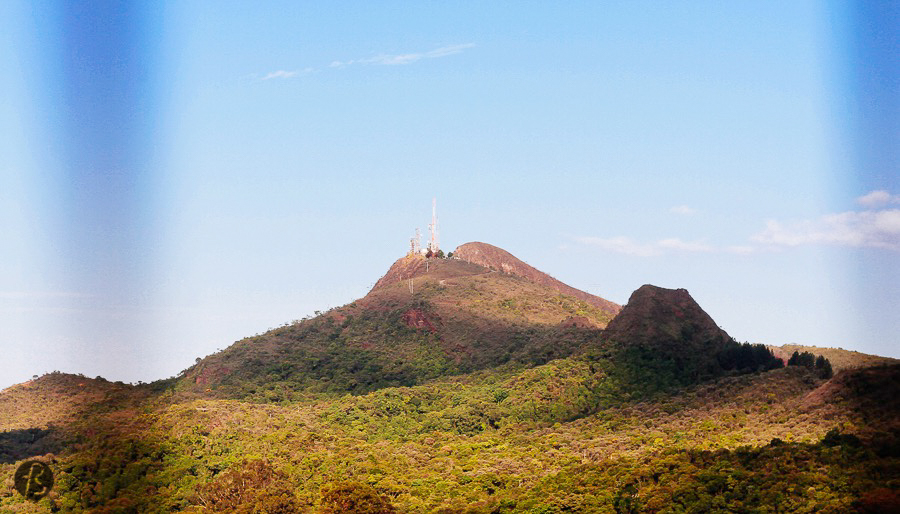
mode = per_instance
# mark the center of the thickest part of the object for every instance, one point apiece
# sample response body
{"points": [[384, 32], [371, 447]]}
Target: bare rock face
{"points": [[499, 259]]}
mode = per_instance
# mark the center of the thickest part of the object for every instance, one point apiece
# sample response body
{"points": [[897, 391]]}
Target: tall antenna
{"points": [[434, 245]]}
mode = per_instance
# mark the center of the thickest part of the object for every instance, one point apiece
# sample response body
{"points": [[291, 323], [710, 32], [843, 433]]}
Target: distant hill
{"points": [[425, 318], [839, 358], [57, 398], [35, 416]]}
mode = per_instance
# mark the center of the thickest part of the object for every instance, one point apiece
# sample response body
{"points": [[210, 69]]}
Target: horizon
{"points": [[175, 178]]}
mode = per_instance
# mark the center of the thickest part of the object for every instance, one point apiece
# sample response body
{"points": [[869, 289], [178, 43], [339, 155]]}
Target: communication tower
{"points": [[434, 245]]}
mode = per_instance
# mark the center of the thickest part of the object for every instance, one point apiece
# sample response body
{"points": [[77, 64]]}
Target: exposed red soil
{"points": [[416, 318], [211, 375]]}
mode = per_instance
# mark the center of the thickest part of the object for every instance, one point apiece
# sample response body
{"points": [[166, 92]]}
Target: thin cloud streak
{"points": [[383, 60], [393, 60], [281, 74], [286, 74], [628, 246]]}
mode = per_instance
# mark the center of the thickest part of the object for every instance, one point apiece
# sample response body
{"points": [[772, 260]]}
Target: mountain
{"points": [[461, 387], [425, 318]]}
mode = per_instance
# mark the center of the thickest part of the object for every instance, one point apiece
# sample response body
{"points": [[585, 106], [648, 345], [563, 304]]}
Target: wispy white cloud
{"points": [[684, 210], [677, 245], [286, 74], [628, 246], [379, 60], [877, 199], [449, 50], [621, 244], [872, 228], [281, 74], [398, 59], [876, 227]]}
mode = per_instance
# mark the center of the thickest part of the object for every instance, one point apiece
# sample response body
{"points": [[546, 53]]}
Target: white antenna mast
{"points": [[434, 245]]}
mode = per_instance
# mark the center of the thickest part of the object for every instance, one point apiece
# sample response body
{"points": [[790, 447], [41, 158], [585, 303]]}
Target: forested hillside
{"points": [[466, 389]]}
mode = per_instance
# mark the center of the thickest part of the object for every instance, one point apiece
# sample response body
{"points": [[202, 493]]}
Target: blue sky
{"points": [[177, 177]]}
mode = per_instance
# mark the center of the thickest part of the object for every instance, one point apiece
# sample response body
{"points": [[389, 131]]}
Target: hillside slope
{"points": [[499, 259], [840, 359], [36, 416], [495, 441], [424, 319]]}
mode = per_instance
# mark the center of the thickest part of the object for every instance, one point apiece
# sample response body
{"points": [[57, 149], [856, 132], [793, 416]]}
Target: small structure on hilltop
{"points": [[415, 244]]}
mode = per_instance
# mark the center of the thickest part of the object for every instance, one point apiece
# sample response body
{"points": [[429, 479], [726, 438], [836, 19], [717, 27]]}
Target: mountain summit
{"points": [[485, 258]]}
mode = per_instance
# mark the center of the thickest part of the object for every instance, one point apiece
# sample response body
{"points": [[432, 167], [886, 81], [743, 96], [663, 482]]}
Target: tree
{"points": [[820, 364], [823, 367], [354, 497], [795, 359], [250, 487]]}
